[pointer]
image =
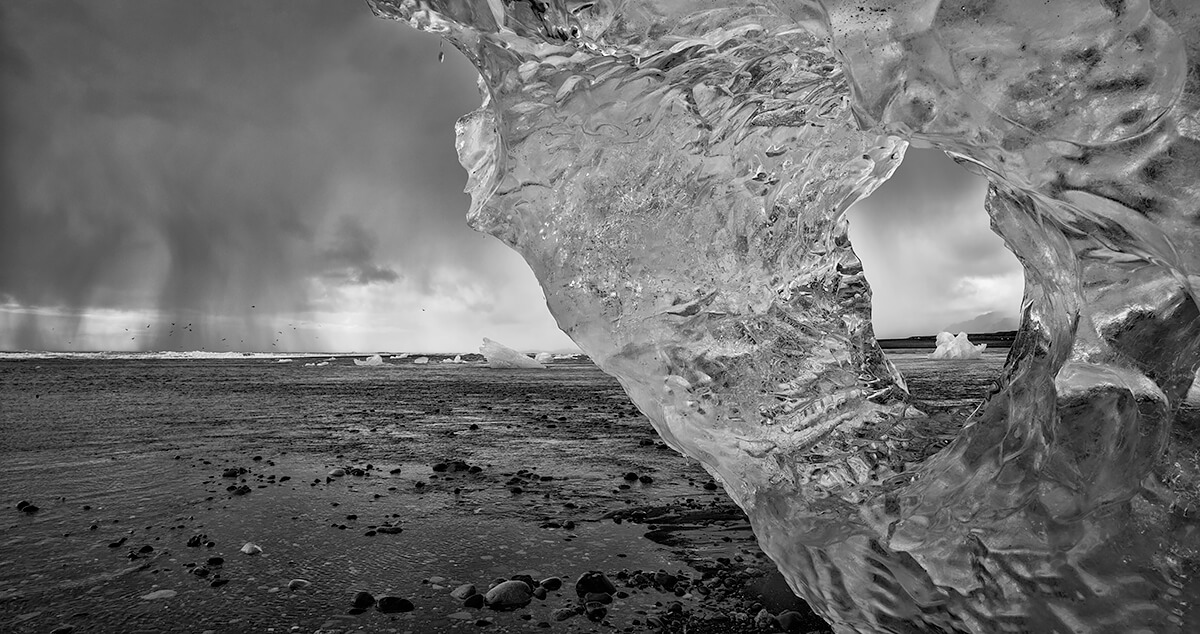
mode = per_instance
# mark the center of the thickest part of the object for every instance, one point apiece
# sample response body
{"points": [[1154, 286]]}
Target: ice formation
{"points": [[420, 360], [499, 355], [369, 361], [676, 175], [957, 347], [543, 357]]}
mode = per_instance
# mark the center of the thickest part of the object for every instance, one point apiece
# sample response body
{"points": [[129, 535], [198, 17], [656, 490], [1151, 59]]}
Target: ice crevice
{"points": [[676, 175]]}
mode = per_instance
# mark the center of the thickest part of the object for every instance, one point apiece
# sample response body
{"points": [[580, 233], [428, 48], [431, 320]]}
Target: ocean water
{"points": [[127, 460]]}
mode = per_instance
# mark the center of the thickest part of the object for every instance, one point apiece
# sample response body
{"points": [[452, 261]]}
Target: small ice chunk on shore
{"points": [[543, 357], [421, 360], [499, 355], [251, 548], [371, 360], [957, 347]]}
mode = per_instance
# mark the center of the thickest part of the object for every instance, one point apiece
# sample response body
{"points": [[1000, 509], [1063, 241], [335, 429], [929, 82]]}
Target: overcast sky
{"points": [[281, 175]]}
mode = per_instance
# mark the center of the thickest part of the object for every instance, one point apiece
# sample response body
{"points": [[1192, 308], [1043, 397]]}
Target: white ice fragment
{"points": [[371, 360], [159, 594], [251, 548], [543, 357], [957, 347], [501, 356], [420, 360], [283, 361]]}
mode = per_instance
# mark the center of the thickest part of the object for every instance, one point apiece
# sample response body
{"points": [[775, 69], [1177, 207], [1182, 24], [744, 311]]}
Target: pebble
{"points": [[463, 591], [509, 594], [562, 614], [389, 605], [790, 621], [63, 629], [251, 549], [159, 594], [337, 473], [602, 598], [298, 584], [474, 601], [551, 583], [594, 581], [363, 600]]}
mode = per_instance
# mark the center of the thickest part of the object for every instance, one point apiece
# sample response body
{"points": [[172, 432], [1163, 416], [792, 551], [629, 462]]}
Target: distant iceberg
{"points": [[403, 355], [457, 359], [420, 360], [499, 355], [371, 360], [543, 357], [957, 347]]}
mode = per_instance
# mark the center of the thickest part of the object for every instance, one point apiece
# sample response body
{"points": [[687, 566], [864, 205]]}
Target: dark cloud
{"points": [[200, 158], [351, 256], [928, 250]]}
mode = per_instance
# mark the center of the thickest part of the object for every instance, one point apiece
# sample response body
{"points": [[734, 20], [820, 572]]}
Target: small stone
{"points": [[389, 530], [509, 594], [595, 612], [551, 583], [362, 600], [298, 584], [390, 605], [527, 579], [146, 549], [562, 614], [710, 486], [463, 591], [30, 509], [251, 549], [539, 593], [217, 583], [593, 581], [790, 621], [645, 479], [631, 477], [602, 598], [475, 601], [337, 473], [216, 561]]}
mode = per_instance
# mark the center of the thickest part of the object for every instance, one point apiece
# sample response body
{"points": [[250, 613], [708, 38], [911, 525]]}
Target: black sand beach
{"points": [[149, 477]]}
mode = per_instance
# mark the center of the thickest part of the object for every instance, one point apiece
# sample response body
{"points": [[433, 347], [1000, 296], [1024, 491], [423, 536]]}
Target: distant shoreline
{"points": [[1001, 339]]}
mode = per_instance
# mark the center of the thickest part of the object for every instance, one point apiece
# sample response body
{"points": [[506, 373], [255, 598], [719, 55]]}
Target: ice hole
{"points": [[935, 265]]}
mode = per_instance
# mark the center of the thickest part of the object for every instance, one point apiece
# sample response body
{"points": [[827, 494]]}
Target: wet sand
{"points": [[143, 471]]}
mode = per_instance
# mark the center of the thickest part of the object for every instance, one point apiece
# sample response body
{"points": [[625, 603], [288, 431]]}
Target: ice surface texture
{"points": [[676, 173], [957, 347]]}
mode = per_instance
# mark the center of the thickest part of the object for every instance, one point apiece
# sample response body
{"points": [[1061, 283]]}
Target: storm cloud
{"points": [[280, 175], [928, 250], [231, 165]]}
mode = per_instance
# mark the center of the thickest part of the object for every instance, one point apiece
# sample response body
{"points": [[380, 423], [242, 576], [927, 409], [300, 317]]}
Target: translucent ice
{"points": [[371, 360], [499, 355], [543, 357], [957, 347], [676, 175]]}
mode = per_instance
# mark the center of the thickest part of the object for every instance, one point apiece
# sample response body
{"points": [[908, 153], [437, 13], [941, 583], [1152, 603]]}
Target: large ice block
{"points": [[676, 174]]}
